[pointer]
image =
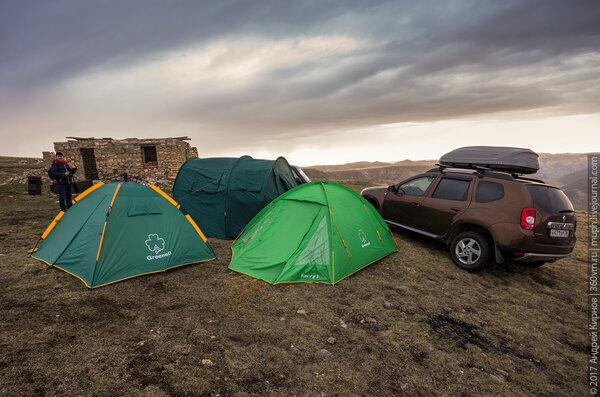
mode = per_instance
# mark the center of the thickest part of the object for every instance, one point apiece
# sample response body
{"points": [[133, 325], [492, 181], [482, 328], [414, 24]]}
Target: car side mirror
{"points": [[392, 188]]}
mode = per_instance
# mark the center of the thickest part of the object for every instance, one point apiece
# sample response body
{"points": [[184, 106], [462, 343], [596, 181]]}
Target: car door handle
{"points": [[455, 209], [416, 203]]}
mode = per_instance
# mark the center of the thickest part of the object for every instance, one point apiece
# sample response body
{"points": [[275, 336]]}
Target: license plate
{"points": [[559, 233]]}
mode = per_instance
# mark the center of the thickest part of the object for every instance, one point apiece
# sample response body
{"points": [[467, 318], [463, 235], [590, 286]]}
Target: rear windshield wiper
{"points": [[563, 211]]}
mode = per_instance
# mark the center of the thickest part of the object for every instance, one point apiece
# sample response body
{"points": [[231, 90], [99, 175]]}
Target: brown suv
{"points": [[482, 214]]}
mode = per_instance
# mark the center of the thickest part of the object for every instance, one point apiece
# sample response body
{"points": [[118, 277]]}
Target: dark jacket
{"points": [[58, 170]]}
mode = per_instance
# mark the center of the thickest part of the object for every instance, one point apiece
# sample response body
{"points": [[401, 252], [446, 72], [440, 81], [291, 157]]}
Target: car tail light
{"points": [[527, 218]]}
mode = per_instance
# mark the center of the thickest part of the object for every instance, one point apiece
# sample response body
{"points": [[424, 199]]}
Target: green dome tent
{"points": [[318, 232], [122, 230], [223, 194]]}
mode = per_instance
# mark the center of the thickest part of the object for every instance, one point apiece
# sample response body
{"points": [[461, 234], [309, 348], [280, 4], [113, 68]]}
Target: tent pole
{"points": [[104, 230]]}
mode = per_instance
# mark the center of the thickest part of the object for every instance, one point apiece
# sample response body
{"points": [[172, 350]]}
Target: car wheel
{"points": [[534, 263], [470, 250]]}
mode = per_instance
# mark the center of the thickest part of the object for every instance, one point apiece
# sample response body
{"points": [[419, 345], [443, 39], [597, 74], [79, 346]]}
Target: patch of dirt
{"points": [[460, 332], [540, 278], [143, 368], [157, 287], [95, 309], [504, 348], [241, 292], [575, 345]]}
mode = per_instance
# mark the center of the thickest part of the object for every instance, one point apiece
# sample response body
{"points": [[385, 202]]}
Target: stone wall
{"points": [[114, 157]]}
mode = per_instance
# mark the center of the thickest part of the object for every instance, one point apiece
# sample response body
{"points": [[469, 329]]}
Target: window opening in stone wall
{"points": [[90, 168], [149, 156]]}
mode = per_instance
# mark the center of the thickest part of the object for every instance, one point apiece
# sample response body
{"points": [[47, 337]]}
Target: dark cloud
{"points": [[503, 55], [43, 42], [413, 61]]}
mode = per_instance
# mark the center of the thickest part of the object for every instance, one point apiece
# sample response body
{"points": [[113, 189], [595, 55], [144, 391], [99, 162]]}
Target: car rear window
{"points": [[452, 189], [488, 191], [550, 198]]}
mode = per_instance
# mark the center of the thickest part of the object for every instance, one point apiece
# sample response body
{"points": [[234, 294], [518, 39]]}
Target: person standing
{"points": [[63, 175]]}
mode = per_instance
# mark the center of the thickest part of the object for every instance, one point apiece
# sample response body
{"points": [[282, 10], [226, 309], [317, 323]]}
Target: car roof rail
{"points": [[517, 176], [449, 168], [484, 171], [498, 175]]}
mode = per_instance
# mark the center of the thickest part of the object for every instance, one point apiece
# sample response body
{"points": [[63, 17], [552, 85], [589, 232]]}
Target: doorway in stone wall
{"points": [[89, 163]]}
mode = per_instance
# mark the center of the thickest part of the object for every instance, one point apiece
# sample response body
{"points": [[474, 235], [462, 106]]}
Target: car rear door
{"points": [[555, 218], [402, 206], [448, 199]]}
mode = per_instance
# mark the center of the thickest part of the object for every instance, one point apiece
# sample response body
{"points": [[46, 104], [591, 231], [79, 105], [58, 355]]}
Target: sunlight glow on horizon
{"points": [[428, 141]]}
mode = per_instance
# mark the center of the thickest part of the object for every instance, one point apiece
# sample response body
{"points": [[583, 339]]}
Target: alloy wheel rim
{"points": [[468, 251]]}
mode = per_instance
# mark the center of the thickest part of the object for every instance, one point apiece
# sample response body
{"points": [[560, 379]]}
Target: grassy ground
{"points": [[410, 324]]}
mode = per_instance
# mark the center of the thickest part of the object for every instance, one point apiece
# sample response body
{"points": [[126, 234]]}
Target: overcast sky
{"points": [[320, 82]]}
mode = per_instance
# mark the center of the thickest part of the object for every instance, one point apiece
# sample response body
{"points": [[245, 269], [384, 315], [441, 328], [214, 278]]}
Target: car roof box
{"points": [[509, 159]]}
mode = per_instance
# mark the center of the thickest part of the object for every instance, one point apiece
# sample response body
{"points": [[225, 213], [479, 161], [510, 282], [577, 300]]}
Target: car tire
{"points": [[470, 250], [534, 263]]}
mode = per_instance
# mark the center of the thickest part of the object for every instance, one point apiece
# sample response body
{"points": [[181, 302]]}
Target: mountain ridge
{"points": [[567, 171]]}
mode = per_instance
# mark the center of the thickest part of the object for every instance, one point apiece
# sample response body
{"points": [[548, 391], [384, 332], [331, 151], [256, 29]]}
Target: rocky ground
{"points": [[410, 324]]}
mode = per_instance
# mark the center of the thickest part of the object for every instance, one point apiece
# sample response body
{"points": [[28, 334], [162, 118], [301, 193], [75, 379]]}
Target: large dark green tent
{"points": [[121, 230], [318, 232], [223, 194]]}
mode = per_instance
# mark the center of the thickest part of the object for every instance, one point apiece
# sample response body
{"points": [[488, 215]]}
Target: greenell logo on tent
{"points": [[155, 243], [362, 236]]}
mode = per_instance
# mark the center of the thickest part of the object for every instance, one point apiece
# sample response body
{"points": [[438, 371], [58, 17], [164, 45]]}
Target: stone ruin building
{"points": [[103, 158]]}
